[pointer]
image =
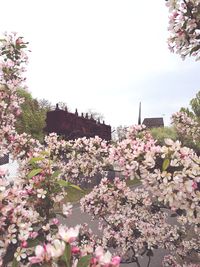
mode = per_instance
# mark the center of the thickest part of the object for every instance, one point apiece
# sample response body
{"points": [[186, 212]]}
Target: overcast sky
{"points": [[103, 55]]}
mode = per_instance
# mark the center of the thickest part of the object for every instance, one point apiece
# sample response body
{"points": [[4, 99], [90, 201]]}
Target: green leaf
{"points": [[165, 164], [15, 263], [68, 185], [63, 183], [23, 46], [84, 261], [55, 174], [33, 243], [33, 160], [34, 172], [67, 255], [45, 153], [75, 187]]}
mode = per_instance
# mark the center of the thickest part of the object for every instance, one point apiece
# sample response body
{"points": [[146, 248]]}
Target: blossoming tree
{"points": [[134, 223], [30, 230]]}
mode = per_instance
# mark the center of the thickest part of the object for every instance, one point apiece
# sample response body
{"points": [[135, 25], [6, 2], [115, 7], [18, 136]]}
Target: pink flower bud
{"points": [[55, 221], [116, 261], [75, 250], [194, 185], [24, 244], [33, 235], [19, 41], [93, 261]]}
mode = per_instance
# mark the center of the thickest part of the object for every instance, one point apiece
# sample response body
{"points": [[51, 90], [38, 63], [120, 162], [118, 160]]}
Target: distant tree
{"points": [[33, 115], [195, 105], [119, 133], [161, 133], [189, 116], [63, 106], [45, 104], [187, 111], [194, 110], [95, 115]]}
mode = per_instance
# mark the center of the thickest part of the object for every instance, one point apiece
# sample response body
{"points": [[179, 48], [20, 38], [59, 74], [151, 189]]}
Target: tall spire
{"points": [[139, 117]]}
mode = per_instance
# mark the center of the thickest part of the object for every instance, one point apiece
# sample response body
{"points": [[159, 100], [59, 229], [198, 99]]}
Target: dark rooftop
{"points": [[153, 122]]}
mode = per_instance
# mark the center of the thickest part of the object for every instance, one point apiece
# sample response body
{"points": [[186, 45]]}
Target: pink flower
{"points": [[24, 244], [42, 254], [116, 261], [57, 248], [68, 235], [19, 41], [194, 185], [33, 235], [103, 258], [2, 172], [55, 221], [93, 261], [75, 250]]}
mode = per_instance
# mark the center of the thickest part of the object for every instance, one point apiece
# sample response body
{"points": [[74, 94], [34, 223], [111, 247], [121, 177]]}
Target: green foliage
{"points": [[67, 255], [194, 113], [32, 118], [195, 105], [189, 142], [84, 261], [68, 185], [15, 263], [188, 112], [165, 164], [161, 133], [34, 172]]}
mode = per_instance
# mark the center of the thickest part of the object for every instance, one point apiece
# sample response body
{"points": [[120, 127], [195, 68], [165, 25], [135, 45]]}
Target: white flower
{"points": [[41, 193], [188, 186], [68, 235], [57, 248], [106, 258], [46, 227], [20, 253], [103, 258], [67, 209]]}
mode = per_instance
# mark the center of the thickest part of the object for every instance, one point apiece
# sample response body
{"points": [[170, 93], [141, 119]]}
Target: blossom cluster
{"points": [[186, 126], [81, 158], [138, 145], [28, 216], [131, 222], [184, 27], [170, 173], [13, 59], [177, 182], [69, 243]]}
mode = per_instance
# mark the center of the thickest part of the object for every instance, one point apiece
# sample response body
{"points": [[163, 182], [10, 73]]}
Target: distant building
{"points": [[72, 126], [153, 122]]}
